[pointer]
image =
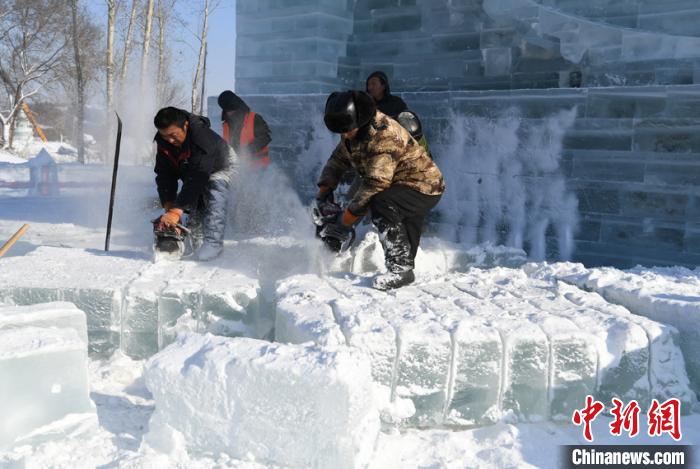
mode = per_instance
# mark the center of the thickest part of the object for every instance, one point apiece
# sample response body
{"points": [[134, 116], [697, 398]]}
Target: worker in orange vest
{"points": [[246, 131]]}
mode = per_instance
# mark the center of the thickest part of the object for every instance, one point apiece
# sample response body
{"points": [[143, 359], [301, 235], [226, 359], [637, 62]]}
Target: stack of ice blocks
{"points": [[132, 303], [43, 367], [93, 281], [205, 299], [664, 294], [469, 347]]}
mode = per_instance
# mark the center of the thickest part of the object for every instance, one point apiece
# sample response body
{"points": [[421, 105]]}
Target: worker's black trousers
{"points": [[398, 213]]}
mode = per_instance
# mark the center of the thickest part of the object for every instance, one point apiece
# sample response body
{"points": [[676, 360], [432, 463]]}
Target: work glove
{"points": [[325, 194], [171, 217]]}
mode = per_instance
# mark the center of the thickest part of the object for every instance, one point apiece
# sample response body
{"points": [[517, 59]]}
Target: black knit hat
{"points": [[229, 101]]}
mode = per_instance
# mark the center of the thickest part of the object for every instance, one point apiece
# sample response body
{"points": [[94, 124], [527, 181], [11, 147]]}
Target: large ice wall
{"points": [[467, 348], [43, 367], [294, 405], [630, 156], [437, 45], [134, 304], [291, 46]]}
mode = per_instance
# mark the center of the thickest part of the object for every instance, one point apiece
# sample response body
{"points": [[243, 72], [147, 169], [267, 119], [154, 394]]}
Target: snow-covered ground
{"points": [[124, 406], [498, 294]]}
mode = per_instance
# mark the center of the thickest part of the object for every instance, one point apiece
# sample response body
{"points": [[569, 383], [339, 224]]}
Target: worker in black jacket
{"points": [[189, 151], [377, 86]]}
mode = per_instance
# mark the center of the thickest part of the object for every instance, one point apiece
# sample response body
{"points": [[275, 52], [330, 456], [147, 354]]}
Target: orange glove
{"points": [[348, 218], [171, 217]]}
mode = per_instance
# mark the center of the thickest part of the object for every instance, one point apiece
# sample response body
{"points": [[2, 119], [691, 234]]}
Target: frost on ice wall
{"points": [[505, 183], [296, 405], [43, 367], [467, 348], [133, 304]]}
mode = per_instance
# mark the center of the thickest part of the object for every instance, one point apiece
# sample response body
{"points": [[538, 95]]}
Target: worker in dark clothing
{"points": [[378, 87], [189, 151], [246, 131]]}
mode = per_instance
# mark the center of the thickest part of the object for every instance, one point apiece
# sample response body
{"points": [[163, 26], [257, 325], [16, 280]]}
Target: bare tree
{"points": [[81, 68], [111, 24], [146, 40], [197, 98], [79, 82], [127, 41], [165, 12], [32, 44]]}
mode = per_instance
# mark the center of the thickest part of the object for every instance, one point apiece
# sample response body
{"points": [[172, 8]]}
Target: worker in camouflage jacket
{"points": [[400, 182]]}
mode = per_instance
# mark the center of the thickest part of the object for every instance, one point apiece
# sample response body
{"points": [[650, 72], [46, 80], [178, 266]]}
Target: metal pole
{"points": [[114, 182]]}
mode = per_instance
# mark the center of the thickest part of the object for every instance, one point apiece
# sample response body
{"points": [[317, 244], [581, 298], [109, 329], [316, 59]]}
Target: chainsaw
{"points": [[325, 214], [169, 241]]}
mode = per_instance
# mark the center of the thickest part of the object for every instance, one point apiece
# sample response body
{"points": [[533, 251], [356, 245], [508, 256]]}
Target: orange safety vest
{"points": [[260, 158]]}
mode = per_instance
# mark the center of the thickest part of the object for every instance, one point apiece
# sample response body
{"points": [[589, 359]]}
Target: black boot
{"points": [[398, 214], [392, 280]]}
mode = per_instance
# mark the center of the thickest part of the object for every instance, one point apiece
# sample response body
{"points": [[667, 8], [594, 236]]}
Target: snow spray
{"points": [[504, 182]]}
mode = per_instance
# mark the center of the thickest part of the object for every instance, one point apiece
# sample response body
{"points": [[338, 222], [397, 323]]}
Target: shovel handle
{"points": [[6, 247]]}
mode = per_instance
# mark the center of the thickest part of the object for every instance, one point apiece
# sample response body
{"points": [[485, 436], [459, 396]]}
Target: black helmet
{"points": [[410, 122], [348, 110]]}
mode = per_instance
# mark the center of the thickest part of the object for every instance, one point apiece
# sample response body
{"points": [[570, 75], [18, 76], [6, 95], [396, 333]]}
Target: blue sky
{"points": [[222, 48], [221, 38]]}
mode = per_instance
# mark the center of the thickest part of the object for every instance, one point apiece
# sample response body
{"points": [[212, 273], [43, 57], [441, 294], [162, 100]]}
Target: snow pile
{"points": [[670, 295], [300, 406], [61, 152], [470, 347], [43, 367], [10, 157], [305, 314], [435, 257]]}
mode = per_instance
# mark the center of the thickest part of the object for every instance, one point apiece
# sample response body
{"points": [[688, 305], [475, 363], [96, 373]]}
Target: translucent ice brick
{"points": [[43, 372], [57, 314], [478, 360]]}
